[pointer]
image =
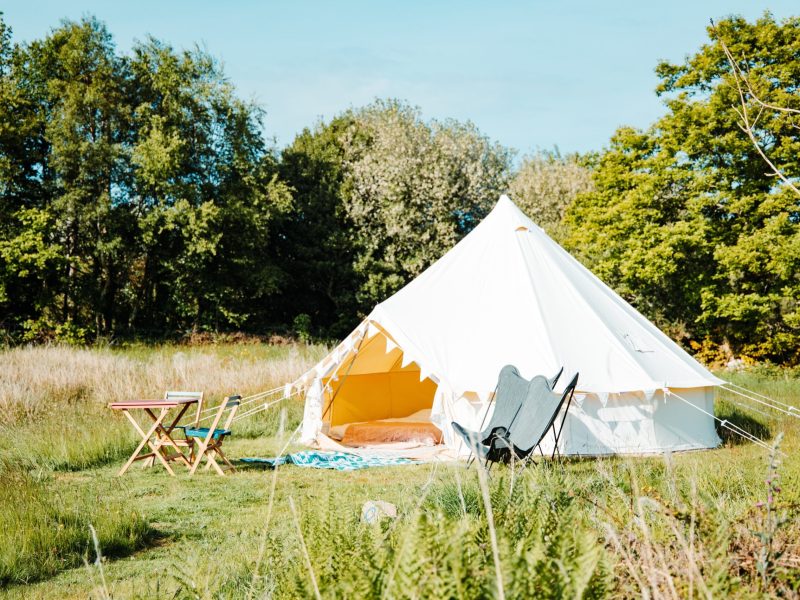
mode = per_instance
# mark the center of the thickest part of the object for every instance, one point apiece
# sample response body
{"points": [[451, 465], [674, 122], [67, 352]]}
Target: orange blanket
{"points": [[386, 432]]}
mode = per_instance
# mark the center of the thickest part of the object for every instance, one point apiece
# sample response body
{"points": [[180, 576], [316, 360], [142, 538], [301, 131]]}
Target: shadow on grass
{"points": [[739, 419], [153, 537], [252, 465]]}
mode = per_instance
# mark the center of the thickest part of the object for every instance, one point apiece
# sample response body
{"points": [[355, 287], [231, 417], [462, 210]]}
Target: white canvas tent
{"points": [[508, 294]]}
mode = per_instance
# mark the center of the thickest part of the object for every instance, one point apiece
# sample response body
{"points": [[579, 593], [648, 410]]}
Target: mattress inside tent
{"points": [[414, 429]]}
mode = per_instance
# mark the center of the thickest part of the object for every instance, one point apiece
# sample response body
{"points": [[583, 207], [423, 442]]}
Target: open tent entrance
{"points": [[375, 383]]}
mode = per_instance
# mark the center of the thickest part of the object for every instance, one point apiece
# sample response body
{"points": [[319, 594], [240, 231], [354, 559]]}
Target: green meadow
{"points": [[699, 524]]}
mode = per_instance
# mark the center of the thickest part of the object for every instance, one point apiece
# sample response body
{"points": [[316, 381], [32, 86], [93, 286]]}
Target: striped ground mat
{"points": [[340, 461]]}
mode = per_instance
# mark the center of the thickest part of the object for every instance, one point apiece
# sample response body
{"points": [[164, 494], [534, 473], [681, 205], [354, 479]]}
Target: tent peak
{"points": [[505, 203], [518, 220]]}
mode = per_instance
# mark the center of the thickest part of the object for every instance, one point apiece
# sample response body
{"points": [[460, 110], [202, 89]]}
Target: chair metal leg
{"points": [[561, 428]]}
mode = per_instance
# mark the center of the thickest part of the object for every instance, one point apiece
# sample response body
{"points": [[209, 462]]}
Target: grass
{"points": [[46, 526], [684, 525], [42, 380], [53, 413]]}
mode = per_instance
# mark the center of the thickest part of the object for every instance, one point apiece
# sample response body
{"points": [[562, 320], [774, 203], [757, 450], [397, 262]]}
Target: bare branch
{"points": [[744, 77], [748, 127]]}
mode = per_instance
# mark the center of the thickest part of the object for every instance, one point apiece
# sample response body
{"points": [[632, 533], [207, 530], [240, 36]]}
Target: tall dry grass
{"points": [[53, 399], [39, 380]]}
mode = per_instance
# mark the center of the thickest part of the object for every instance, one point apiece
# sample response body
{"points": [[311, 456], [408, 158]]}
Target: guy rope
{"points": [[771, 403], [723, 422], [259, 402]]}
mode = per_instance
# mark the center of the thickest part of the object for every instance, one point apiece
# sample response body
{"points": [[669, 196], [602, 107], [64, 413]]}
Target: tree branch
{"points": [[745, 90]]}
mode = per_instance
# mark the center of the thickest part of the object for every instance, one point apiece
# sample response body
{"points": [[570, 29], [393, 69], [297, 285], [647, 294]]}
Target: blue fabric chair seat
{"points": [[202, 432]]}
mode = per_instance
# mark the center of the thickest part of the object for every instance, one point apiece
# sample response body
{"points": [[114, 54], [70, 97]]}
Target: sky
{"points": [[531, 75]]}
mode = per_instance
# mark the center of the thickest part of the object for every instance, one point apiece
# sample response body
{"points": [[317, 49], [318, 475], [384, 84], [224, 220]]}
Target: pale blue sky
{"points": [[530, 74]]}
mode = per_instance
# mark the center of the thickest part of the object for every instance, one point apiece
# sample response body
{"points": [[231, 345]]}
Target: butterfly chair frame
{"points": [[516, 441], [508, 397], [211, 438], [569, 390]]}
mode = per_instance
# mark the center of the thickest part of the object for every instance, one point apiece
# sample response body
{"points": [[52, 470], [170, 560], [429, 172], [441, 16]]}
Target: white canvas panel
{"points": [[508, 294], [629, 423]]}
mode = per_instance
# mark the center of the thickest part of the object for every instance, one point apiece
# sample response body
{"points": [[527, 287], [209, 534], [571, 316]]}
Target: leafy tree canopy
{"points": [[137, 190], [685, 220], [381, 194], [138, 196], [546, 183]]}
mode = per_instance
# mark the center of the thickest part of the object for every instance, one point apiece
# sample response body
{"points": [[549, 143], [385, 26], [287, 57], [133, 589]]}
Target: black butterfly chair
{"points": [[536, 417], [509, 397]]}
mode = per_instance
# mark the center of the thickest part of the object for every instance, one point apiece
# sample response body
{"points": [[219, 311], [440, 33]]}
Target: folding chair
{"points": [[536, 417], [509, 396], [209, 439], [186, 442], [178, 443], [174, 395]]}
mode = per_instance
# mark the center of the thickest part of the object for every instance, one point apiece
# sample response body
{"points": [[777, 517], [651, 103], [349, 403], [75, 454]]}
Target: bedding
{"points": [[415, 428], [388, 432]]}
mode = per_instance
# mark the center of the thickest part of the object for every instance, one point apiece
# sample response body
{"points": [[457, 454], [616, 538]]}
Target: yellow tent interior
{"points": [[372, 384]]}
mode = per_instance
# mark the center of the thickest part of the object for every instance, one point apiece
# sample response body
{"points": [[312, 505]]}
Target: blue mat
{"points": [[340, 461]]}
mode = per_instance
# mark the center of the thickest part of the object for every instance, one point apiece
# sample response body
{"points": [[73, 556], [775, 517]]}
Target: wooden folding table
{"points": [[159, 436]]}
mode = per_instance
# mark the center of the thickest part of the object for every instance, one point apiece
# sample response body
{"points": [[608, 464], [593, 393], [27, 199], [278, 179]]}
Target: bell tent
{"points": [[508, 294]]}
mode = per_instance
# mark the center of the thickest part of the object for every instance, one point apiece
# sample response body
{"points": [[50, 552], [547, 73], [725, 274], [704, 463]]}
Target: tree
{"points": [[137, 191], [416, 189], [749, 120], [87, 131], [314, 247], [207, 190], [686, 221], [546, 184], [28, 258], [64, 159], [380, 194]]}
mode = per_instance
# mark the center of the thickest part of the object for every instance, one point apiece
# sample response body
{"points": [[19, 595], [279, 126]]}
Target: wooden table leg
{"points": [[157, 448], [165, 439], [146, 441], [142, 444], [178, 418]]}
